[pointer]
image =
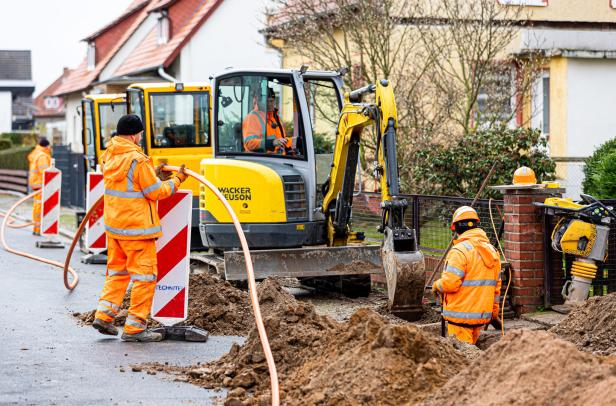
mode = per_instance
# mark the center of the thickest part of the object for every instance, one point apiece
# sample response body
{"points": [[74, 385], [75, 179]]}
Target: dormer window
{"points": [[163, 27], [91, 55]]}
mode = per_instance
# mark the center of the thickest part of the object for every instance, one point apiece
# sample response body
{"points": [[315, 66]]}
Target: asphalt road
{"points": [[47, 358]]}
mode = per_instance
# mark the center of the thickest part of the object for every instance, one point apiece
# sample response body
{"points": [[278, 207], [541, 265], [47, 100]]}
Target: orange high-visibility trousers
{"points": [[36, 214], [466, 334], [129, 260]]}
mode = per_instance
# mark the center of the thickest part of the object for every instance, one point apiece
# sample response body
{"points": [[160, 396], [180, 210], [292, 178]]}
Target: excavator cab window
{"points": [[180, 120], [258, 115], [134, 105], [109, 114], [88, 132]]}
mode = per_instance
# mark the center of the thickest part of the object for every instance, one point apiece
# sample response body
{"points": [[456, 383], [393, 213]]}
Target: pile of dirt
{"points": [[366, 360], [213, 304], [429, 315], [591, 326], [531, 367]]}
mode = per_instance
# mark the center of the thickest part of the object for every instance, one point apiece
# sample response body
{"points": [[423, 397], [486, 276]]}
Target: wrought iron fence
{"points": [[428, 215]]}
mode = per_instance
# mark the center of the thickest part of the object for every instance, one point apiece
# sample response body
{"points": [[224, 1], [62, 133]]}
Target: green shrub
{"points": [[458, 169], [5, 144], [593, 163], [22, 139], [604, 177], [322, 144], [15, 158]]}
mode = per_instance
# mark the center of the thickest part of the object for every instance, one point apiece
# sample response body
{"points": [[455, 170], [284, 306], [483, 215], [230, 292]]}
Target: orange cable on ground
{"points": [[13, 220], [251, 282], [5, 223]]}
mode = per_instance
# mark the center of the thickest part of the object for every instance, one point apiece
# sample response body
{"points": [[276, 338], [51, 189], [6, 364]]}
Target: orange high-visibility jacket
{"points": [[260, 130], [39, 159], [471, 280], [131, 191]]}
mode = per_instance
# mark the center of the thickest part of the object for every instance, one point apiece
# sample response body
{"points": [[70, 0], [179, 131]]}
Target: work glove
{"points": [[435, 289], [280, 142], [181, 174], [496, 323], [162, 175]]}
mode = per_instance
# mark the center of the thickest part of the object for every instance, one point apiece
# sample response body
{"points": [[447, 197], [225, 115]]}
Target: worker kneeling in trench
{"points": [[470, 285], [132, 225]]}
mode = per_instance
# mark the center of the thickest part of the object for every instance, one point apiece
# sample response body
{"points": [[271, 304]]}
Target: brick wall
{"points": [[524, 247]]}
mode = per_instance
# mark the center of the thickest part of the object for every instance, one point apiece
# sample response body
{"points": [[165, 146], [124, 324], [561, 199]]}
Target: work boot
{"points": [[146, 336], [36, 233], [104, 327]]}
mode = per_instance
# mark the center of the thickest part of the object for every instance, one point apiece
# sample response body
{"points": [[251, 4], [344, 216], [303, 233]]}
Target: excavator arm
{"points": [[402, 262]]}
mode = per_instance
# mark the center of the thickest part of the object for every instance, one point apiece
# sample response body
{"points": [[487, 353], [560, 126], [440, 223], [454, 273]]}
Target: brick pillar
{"points": [[524, 245]]}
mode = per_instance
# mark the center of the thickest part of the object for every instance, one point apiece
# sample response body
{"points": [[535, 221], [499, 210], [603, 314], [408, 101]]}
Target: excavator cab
{"points": [[296, 212], [100, 114], [176, 118]]}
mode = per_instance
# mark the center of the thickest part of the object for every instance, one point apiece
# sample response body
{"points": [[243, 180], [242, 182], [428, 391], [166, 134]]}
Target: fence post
{"points": [[416, 217], [525, 245]]}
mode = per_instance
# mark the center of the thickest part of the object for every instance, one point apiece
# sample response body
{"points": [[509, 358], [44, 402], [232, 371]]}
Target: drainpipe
{"points": [[165, 75]]}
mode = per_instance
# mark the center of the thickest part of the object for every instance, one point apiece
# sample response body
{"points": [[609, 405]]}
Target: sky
{"points": [[53, 30]]}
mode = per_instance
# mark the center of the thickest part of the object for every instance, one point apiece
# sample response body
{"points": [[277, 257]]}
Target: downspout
{"points": [[165, 75]]}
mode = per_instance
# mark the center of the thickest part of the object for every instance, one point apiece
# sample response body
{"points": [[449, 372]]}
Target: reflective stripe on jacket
{"points": [[471, 280], [260, 130], [131, 191], [39, 160]]}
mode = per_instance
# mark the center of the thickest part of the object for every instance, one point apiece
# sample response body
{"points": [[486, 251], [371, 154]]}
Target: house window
{"points": [[540, 107], [163, 27], [496, 101], [546, 105], [534, 3], [91, 55], [613, 3]]}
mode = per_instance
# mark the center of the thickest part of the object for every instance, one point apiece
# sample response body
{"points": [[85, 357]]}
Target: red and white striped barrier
{"points": [[50, 200], [96, 240], [170, 305]]}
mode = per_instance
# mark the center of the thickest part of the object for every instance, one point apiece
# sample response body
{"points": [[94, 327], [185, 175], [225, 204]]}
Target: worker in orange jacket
{"points": [[263, 131], [39, 160], [132, 225], [470, 284]]}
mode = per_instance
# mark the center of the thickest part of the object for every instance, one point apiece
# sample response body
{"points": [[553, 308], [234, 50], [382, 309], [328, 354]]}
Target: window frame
{"points": [[207, 97], [524, 3], [270, 76], [100, 121], [92, 144]]}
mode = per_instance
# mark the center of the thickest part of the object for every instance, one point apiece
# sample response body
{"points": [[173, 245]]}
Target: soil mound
{"points": [[320, 361], [213, 304], [531, 367], [370, 361], [592, 326]]}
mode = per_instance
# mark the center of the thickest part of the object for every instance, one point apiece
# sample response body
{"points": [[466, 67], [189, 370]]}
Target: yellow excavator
{"points": [[176, 117], [297, 220], [99, 114]]}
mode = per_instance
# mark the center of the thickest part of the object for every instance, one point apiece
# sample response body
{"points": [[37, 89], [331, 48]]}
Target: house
{"points": [[572, 101], [16, 88], [49, 114], [167, 40]]}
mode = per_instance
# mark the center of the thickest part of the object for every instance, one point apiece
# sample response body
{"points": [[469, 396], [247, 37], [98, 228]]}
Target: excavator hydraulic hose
{"points": [[5, 223]]}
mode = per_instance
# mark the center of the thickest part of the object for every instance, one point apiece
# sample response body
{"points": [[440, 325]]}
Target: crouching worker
{"points": [[470, 284], [132, 227]]}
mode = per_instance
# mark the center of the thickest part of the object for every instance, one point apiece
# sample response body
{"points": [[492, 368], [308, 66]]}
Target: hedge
{"points": [[15, 158], [20, 138], [5, 144]]}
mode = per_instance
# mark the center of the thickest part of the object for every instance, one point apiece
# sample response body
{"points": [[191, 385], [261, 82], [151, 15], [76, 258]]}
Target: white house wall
{"points": [[562, 39], [73, 122], [230, 37], [6, 113]]}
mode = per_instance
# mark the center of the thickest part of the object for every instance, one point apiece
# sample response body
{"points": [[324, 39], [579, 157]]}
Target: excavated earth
{"points": [[591, 326], [366, 360], [213, 305], [532, 368]]}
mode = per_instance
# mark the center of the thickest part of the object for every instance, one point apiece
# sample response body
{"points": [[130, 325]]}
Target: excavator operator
{"points": [[39, 160], [262, 129], [132, 225], [470, 285]]}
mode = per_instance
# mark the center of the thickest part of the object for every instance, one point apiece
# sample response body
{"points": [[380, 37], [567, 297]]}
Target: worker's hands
{"points": [[436, 290], [280, 142], [181, 174], [496, 323], [162, 175]]}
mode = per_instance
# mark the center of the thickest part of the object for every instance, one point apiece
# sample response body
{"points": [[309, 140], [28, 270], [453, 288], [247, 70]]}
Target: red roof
{"points": [[108, 41], [48, 105], [185, 17]]}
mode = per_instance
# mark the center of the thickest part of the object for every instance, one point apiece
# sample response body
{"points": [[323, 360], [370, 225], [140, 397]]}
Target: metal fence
{"points": [[428, 215], [570, 175], [73, 169], [558, 266]]}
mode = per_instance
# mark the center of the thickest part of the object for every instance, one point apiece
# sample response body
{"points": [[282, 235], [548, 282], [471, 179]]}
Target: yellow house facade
{"points": [[573, 101]]}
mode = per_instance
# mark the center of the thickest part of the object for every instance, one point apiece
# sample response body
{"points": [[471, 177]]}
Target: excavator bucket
{"points": [[405, 273]]}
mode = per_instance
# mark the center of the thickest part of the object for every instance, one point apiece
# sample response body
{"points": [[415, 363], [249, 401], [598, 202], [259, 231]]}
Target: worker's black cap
{"points": [[43, 142], [129, 124]]}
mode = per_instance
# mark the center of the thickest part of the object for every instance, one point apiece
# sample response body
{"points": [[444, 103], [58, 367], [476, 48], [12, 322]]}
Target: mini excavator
{"points": [[582, 231], [297, 225]]}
